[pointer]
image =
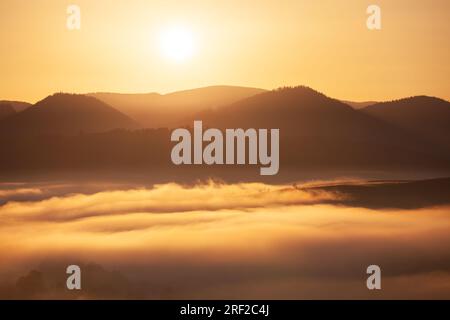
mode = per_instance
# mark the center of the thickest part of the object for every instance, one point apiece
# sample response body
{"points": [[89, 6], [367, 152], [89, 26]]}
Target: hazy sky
{"points": [[324, 44]]}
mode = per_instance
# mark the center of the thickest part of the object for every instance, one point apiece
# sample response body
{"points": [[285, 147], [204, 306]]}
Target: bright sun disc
{"points": [[177, 44]]}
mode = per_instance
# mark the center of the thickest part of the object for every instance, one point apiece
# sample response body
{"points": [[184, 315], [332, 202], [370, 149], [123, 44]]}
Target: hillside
{"points": [[17, 105], [66, 114], [317, 134], [428, 117], [321, 131], [6, 110]]}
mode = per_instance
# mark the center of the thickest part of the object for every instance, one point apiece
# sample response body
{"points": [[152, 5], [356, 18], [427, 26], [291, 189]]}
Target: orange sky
{"points": [[321, 43]]}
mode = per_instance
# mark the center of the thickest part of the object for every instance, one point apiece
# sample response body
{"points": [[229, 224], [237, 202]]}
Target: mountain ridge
{"points": [[316, 133]]}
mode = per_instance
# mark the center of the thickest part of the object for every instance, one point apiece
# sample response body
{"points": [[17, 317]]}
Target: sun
{"points": [[177, 44]]}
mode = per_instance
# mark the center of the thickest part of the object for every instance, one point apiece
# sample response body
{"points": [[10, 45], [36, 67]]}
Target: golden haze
{"points": [[323, 44]]}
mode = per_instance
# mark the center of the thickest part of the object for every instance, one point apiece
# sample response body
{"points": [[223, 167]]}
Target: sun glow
{"points": [[177, 44]]}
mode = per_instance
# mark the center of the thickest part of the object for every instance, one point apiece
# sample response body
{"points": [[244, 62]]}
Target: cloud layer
{"points": [[217, 240]]}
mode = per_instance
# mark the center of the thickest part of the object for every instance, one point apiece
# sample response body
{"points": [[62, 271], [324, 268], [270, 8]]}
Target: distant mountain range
{"points": [[169, 110], [317, 132], [359, 105]]}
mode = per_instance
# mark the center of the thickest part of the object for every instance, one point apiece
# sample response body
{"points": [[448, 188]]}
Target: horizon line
{"points": [[162, 94]]}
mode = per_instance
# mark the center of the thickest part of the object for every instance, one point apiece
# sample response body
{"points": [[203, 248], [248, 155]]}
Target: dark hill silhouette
{"points": [[299, 111], [154, 110], [66, 114], [317, 134], [6, 110], [391, 194], [428, 117], [17, 105], [317, 130]]}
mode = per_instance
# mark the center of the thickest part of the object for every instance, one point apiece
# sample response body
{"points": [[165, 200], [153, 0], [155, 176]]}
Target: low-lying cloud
{"points": [[214, 240]]}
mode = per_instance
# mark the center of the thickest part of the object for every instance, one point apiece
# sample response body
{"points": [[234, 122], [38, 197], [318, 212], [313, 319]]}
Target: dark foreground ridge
{"points": [[392, 194]]}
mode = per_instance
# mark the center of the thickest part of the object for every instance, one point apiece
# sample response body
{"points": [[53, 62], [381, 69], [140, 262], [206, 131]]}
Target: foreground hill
{"points": [[428, 117], [300, 111], [155, 110], [66, 114], [391, 194], [318, 130]]}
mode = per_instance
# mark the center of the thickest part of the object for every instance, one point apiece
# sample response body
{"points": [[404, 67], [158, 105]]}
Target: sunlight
{"points": [[177, 44]]}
